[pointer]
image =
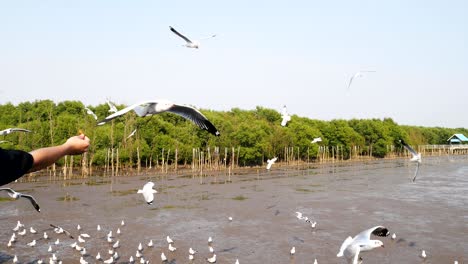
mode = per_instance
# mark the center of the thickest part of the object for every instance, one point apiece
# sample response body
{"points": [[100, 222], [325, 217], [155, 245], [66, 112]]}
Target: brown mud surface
{"points": [[344, 199]]}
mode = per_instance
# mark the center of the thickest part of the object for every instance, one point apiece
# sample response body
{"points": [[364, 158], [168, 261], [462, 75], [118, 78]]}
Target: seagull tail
{"points": [[140, 191]]}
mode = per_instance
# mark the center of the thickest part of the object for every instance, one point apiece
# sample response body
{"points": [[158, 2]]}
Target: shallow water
{"points": [[344, 199]]}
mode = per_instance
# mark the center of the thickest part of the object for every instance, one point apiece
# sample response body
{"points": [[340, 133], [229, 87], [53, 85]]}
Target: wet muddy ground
{"points": [[344, 199]]}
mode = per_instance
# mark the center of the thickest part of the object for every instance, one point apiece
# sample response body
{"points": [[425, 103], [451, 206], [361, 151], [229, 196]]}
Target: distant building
{"points": [[457, 139]]}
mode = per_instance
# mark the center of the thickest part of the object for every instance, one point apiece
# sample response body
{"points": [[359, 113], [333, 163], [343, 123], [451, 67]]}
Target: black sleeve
{"points": [[13, 164]]}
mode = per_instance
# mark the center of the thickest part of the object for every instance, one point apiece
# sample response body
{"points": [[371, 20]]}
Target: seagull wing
{"points": [[32, 200], [350, 81], [416, 172], [212, 36], [10, 191], [195, 116], [65, 231], [126, 110], [21, 130], [180, 35], [345, 244], [376, 231], [410, 149]]}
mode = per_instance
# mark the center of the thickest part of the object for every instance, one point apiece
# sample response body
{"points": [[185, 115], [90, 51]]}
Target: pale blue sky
{"points": [[267, 53]]}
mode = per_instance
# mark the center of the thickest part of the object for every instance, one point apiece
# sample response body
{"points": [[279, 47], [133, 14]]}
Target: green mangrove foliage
{"points": [[255, 135]]}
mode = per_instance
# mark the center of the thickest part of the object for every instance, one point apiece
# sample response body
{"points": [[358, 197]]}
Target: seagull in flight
{"points": [[351, 247], [148, 192], [13, 129], [112, 108], [416, 157], [358, 74], [189, 43], [271, 162], [148, 108], [16, 195], [89, 112], [285, 115], [131, 134]]}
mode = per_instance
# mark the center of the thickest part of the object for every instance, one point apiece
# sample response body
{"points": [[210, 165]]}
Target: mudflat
{"points": [[343, 198]]}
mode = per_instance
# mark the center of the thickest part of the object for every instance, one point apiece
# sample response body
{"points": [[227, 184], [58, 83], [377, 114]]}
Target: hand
{"points": [[77, 144]]}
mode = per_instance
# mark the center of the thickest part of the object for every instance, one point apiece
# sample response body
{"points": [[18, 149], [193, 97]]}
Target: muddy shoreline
{"points": [[344, 198]]}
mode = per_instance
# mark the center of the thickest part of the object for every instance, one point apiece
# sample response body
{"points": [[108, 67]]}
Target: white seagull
{"points": [[423, 254], [171, 248], [293, 250], [169, 240], [18, 225], [212, 259], [112, 108], [32, 244], [191, 251], [148, 108], [189, 43], [315, 140], [150, 244], [131, 134], [13, 129], [163, 257], [148, 193], [416, 157], [286, 117], [89, 112], [271, 162], [358, 74], [16, 195], [351, 247], [32, 230]]}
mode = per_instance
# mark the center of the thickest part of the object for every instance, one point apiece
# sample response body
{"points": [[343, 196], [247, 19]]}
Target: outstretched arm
{"points": [[44, 157]]}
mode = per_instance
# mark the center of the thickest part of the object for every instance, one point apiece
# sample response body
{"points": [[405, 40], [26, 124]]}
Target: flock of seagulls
{"points": [[351, 248]]}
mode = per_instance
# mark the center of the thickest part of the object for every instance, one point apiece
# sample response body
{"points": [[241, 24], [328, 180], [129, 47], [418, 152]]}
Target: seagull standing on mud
{"points": [[416, 157], [189, 43], [351, 247], [148, 108], [16, 195]]}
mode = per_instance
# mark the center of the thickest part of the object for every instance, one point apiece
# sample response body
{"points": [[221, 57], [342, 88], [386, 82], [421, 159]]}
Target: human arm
{"points": [[44, 157]]}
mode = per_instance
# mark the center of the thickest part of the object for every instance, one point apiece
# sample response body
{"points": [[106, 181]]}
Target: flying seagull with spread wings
{"points": [[148, 108], [189, 43], [90, 112], [351, 247], [416, 157], [16, 195], [285, 116], [13, 129], [358, 74]]}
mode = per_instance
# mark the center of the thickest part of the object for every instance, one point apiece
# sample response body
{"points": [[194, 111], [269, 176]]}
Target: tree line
{"points": [[256, 135]]}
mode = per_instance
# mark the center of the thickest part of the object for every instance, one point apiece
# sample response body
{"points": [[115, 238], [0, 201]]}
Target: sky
{"points": [[266, 53]]}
